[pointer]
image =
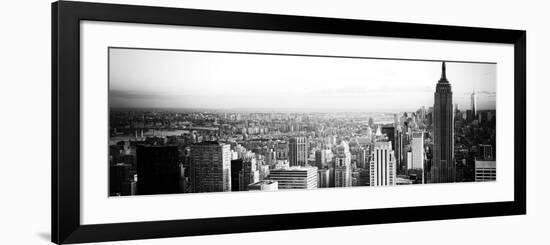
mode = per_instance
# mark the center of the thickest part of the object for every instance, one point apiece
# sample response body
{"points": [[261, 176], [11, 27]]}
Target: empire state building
{"points": [[443, 167]]}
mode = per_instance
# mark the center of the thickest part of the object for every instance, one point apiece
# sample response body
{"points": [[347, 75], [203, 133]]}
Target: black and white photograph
{"points": [[274, 122], [201, 121]]}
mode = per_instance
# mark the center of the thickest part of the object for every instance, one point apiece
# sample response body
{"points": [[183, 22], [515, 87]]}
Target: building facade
{"points": [[417, 149], [249, 174], [295, 177], [382, 165], [342, 166], [210, 167], [297, 151], [443, 169], [158, 169], [473, 101], [323, 178], [485, 171]]}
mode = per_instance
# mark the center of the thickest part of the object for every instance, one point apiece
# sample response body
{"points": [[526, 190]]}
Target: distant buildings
{"points": [[210, 167], [122, 180], [158, 170], [443, 169], [486, 152], [473, 101], [485, 171], [164, 151], [320, 158], [236, 167], [297, 151], [362, 158], [389, 131], [295, 177], [323, 178], [281, 151], [382, 165], [342, 166], [248, 174], [399, 154], [323, 157], [417, 148]]}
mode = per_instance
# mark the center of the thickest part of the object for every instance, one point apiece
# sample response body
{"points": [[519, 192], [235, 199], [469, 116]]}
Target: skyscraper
{"points": [[120, 180], [323, 178], [389, 131], [382, 165], [399, 148], [474, 101], [486, 152], [210, 167], [320, 160], [443, 167], [297, 151], [342, 165], [417, 148], [236, 167], [418, 155], [158, 169], [249, 174]]}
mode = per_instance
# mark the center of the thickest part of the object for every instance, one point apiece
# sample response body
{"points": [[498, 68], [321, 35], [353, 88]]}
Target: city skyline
{"points": [[436, 136], [141, 78]]}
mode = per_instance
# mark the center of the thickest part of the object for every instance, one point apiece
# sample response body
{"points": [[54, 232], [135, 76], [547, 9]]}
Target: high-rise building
{"points": [[320, 158], [382, 165], [399, 154], [158, 169], [281, 151], [486, 152], [443, 169], [236, 167], [264, 171], [297, 151], [409, 160], [417, 149], [389, 131], [485, 171], [473, 101], [210, 167], [362, 158], [323, 178], [418, 154], [295, 177], [120, 180], [342, 165], [249, 174]]}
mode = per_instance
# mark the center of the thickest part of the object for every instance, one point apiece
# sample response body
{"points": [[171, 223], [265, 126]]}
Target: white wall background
{"points": [[25, 121]]}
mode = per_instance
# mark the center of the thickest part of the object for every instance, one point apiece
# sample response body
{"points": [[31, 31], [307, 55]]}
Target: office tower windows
{"points": [[297, 151], [295, 177], [443, 167], [485, 171], [210, 167], [382, 165]]}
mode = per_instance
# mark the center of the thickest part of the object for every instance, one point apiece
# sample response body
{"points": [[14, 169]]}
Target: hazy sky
{"points": [[184, 79]]}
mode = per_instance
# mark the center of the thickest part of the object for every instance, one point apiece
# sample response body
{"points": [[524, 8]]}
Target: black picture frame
{"points": [[66, 17]]}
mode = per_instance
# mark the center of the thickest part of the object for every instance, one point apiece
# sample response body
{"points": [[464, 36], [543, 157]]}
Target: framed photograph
{"points": [[177, 122]]}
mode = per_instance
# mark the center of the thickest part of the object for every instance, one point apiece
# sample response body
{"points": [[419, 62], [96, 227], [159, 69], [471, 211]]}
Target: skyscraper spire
{"points": [[443, 168], [443, 78]]}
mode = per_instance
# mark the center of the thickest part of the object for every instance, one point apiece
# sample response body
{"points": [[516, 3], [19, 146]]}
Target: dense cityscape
{"points": [[166, 151]]}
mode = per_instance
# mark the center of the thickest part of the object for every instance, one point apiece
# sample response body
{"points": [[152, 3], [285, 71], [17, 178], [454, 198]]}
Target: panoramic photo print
{"points": [[191, 121]]}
